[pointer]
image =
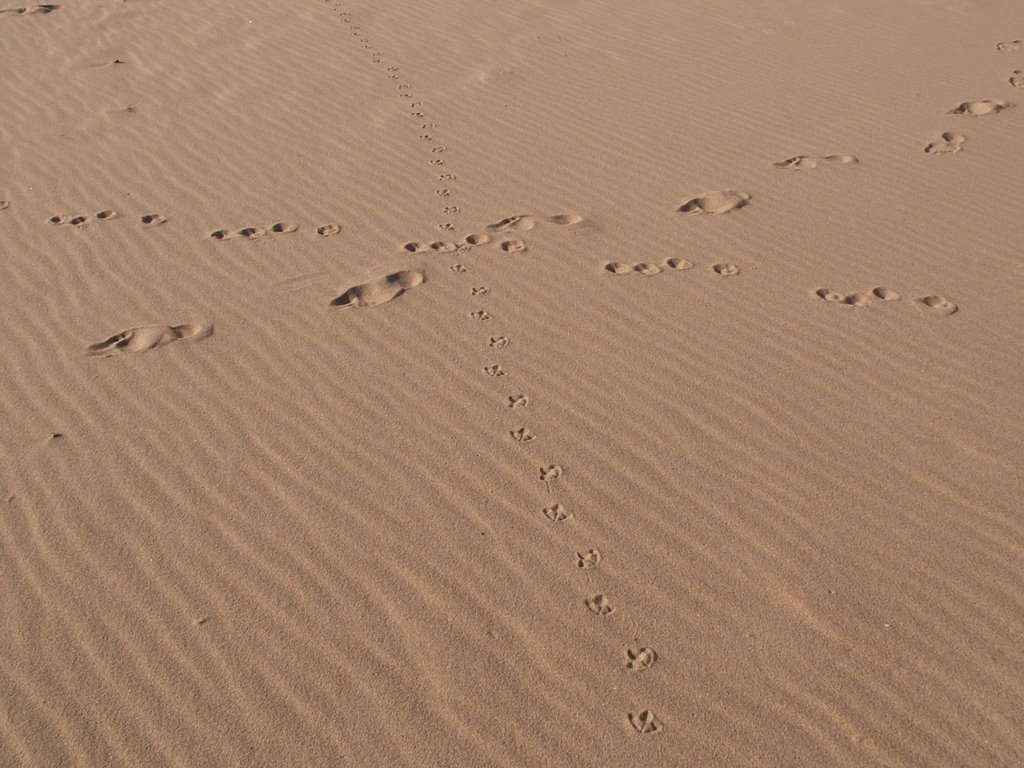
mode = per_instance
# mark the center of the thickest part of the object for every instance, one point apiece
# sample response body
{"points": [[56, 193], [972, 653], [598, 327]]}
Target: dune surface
{"points": [[676, 416]]}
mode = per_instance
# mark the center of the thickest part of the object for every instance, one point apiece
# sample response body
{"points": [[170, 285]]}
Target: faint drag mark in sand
{"points": [[981, 108], [644, 722], [946, 143], [715, 203], [379, 291], [640, 659], [806, 162], [148, 337], [31, 9]]}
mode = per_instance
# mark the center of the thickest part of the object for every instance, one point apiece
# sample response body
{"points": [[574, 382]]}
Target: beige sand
{"points": [[426, 427]]}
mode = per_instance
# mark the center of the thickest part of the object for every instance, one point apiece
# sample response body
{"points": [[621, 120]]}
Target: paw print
{"points": [[494, 370]]}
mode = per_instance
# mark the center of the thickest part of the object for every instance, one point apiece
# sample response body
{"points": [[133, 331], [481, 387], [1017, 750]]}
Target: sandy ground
{"points": [[531, 383]]}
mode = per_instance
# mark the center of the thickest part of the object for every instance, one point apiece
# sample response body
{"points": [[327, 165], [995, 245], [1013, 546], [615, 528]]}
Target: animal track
{"points": [[379, 291], [523, 435], [715, 202], [480, 314], [152, 219], [587, 559], [550, 473], [513, 246], [518, 401], [494, 370], [640, 659], [519, 223], [857, 299], [283, 228], [939, 305], [326, 230], [1016, 78], [599, 605], [556, 513], [1011, 45], [77, 220], [498, 342], [947, 143], [726, 270], [459, 268], [645, 722], [678, 263], [148, 337], [806, 162], [979, 108], [646, 269], [480, 290], [4, 204]]}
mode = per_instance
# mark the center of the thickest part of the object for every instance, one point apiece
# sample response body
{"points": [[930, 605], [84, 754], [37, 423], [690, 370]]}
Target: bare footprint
{"points": [[938, 305], [473, 240], [148, 337], [443, 246], [726, 270], [557, 513], [946, 144], [979, 108], [646, 269], [715, 202], [806, 162], [518, 401], [599, 605], [414, 247], [513, 246], [678, 263], [519, 223], [379, 291], [152, 219], [32, 9], [523, 435], [587, 559], [645, 722], [853, 299], [640, 659], [617, 268], [106, 215], [251, 233], [326, 230]]}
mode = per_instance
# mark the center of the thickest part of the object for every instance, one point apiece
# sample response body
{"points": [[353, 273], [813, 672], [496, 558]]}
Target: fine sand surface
{"points": [[512, 383]]}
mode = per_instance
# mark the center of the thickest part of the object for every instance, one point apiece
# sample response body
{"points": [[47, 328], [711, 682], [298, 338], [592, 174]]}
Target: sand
{"points": [[541, 383]]}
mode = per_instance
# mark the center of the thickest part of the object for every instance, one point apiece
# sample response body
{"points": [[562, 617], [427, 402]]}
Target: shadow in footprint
{"points": [[379, 291]]}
